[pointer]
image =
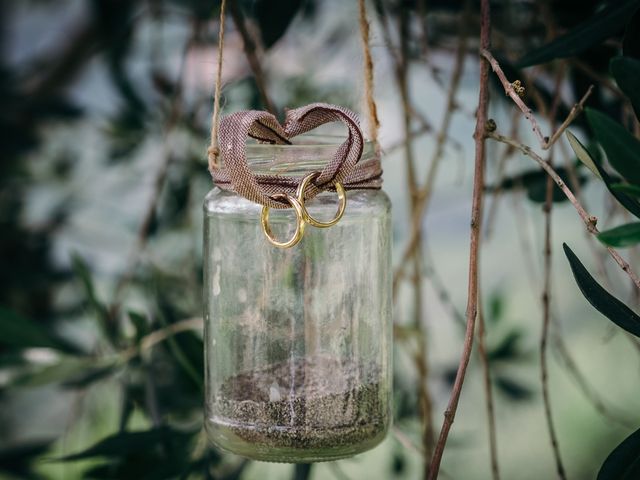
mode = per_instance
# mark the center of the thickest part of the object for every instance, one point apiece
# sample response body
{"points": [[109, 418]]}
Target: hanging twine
{"points": [[229, 136], [214, 149], [367, 61]]}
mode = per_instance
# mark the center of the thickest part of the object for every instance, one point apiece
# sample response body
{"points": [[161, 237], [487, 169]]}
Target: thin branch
{"points": [[476, 221], [545, 142], [250, 51], [158, 336], [544, 336], [424, 193], [589, 220], [486, 376], [583, 384]]}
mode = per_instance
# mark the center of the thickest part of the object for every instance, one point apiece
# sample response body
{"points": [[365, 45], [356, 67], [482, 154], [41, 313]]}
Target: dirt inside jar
{"points": [[306, 403]]}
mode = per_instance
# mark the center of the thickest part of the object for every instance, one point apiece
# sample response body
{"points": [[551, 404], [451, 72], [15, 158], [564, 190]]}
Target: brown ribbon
{"points": [[345, 167]]}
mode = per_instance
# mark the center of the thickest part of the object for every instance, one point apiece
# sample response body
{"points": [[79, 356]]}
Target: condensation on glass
{"points": [[297, 341]]}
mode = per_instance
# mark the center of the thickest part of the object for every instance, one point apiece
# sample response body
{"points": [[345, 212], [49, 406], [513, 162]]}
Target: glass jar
{"points": [[298, 340]]}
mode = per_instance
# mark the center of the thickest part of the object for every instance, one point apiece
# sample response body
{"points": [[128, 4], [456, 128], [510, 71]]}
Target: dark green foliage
{"points": [[622, 148], [17, 331], [622, 236], [125, 443], [631, 190], [620, 194], [18, 460], [631, 41], [159, 453], [274, 21], [593, 31], [600, 299], [623, 463], [626, 71], [93, 302]]}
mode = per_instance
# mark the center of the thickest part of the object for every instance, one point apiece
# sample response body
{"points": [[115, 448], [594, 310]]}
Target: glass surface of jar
{"points": [[298, 340]]}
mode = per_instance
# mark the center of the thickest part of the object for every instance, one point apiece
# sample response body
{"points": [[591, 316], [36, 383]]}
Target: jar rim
{"points": [[306, 153]]}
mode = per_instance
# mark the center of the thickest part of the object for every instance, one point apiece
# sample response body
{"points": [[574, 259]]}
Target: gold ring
{"points": [[342, 197], [297, 235]]}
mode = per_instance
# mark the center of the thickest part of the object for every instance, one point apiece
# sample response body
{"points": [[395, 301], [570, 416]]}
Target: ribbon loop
{"points": [[345, 166]]}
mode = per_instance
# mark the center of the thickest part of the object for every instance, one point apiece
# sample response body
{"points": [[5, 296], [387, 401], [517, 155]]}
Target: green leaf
{"points": [[622, 148], [593, 31], [600, 299], [582, 153], [631, 204], [82, 271], [626, 71], [628, 202], [623, 463], [622, 236], [631, 190], [20, 332], [126, 443]]}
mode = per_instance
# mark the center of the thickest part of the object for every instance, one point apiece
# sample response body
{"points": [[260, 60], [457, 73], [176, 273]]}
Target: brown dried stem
{"points": [[589, 220], [424, 193], [546, 316], [476, 221], [250, 50]]}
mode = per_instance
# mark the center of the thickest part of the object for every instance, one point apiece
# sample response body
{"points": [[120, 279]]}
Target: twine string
{"points": [[345, 167], [214, 149]]}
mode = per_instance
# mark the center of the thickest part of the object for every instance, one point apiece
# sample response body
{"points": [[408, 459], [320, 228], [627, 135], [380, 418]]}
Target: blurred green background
{"points": [[105, 117]]}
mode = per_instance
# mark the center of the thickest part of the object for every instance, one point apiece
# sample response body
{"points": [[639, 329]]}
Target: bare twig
{"points": [[545, 142], [500, 175], [250, 51], [491, 420], [581, 381], [476, 221], [158, 336], [544, 336], [589, 220], [546, 293], [424, 193]]}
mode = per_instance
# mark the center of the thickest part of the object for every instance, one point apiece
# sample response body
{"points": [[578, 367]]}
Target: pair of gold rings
{"points": [[302, 215]]}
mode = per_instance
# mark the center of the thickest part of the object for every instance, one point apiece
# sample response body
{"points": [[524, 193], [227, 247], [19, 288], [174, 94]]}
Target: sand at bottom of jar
{"points": [[307, 403]]}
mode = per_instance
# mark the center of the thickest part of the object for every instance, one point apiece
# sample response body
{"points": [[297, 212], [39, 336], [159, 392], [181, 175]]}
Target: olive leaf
{"points": [[623, 463], [632, 190], [622, 148], [600, 299], [582, 154], [597, 28], [622, 236], [626, 71], [628, 202]]}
